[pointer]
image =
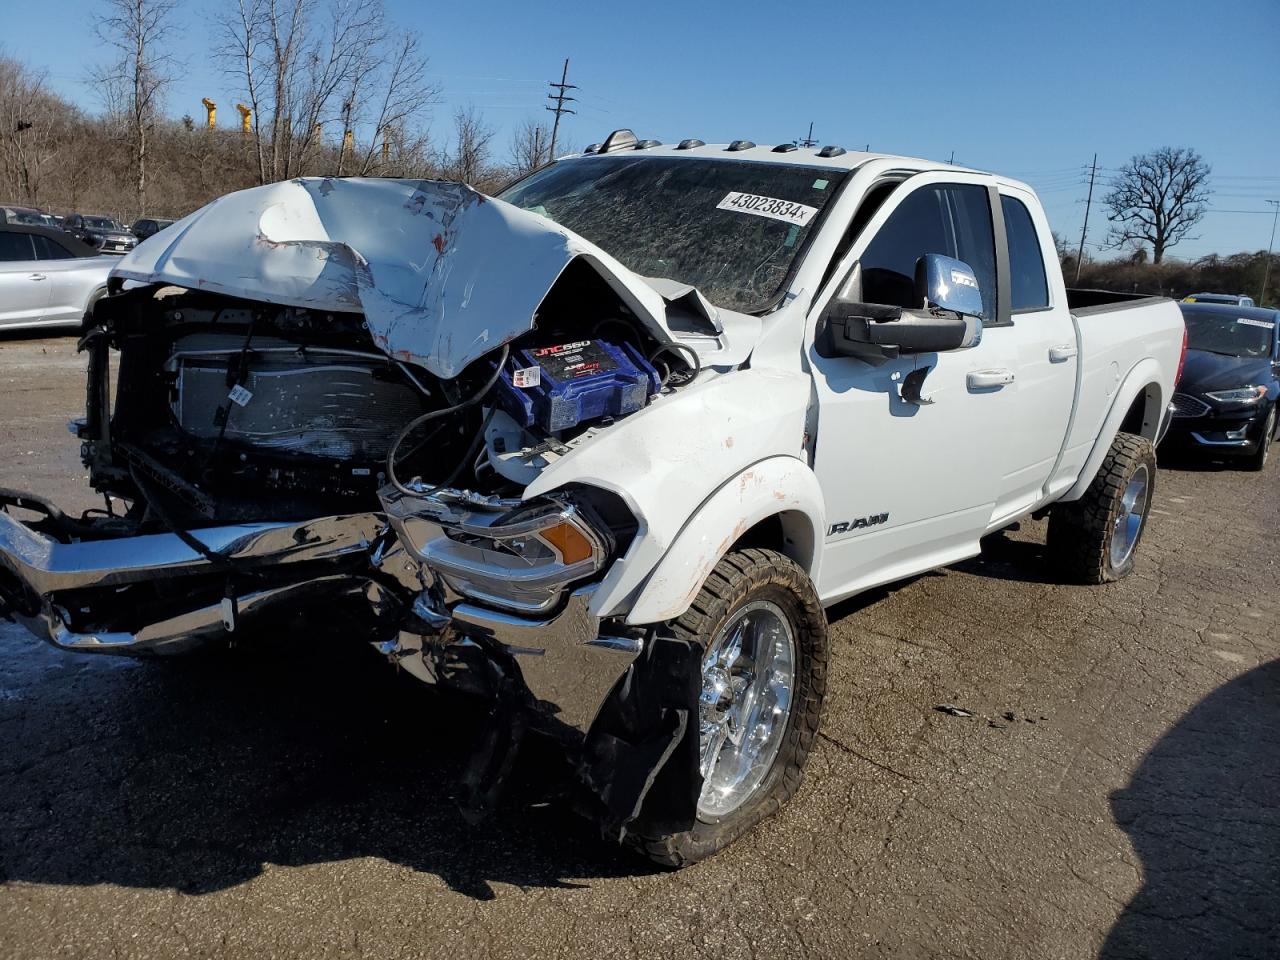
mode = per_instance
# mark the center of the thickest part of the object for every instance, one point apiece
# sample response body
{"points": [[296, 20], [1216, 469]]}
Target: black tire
{"points": [[1081, 532], [1259, 458], [742, 577], [86, 321]]}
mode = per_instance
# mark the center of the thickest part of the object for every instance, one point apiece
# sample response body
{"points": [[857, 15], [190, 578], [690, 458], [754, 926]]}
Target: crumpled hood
{"points": [[442, 273]]}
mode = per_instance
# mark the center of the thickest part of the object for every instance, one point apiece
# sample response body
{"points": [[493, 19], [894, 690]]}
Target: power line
{"points": [[559, 98], [1266, 273], [1087, 204]]}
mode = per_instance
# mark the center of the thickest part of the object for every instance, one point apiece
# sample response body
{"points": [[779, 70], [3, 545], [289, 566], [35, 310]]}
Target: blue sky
{"points": [[1027, 88]]}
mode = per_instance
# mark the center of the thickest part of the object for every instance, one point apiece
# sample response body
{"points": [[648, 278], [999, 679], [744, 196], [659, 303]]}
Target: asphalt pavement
{"points": [[1115, 793]]}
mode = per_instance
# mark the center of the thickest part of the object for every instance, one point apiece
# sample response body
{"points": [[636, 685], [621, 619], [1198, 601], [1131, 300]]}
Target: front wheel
{"points": [[764, 667], [1093, 539], [1259, 458]]}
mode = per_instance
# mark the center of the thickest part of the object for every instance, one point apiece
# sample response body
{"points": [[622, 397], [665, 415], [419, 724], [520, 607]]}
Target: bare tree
{"points": [[402, 99], [138, 30], [530, 147], [470, 157], [29, 122], [1158, 198], [308, 64], [242, 34]]}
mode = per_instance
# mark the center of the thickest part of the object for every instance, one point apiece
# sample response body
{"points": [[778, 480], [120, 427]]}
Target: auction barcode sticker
{"points": [[1250, 322], [784, 210]]}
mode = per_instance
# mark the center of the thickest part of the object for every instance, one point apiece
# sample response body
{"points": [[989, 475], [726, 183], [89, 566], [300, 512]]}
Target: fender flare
{"points": [[777, 486], [1144, 374]]}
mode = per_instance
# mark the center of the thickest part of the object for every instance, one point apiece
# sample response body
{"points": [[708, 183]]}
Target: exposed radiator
{"points": [[325, 403]]}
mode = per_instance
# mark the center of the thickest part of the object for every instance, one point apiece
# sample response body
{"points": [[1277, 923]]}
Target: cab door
{"points": [[1046, 360], [24, 287], [909, 486]]}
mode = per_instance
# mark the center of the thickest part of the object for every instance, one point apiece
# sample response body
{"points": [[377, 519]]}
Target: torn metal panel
{"points": [[442, 274]]}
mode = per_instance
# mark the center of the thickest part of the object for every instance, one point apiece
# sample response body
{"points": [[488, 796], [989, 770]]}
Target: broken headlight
{"points": [[520, 560]]}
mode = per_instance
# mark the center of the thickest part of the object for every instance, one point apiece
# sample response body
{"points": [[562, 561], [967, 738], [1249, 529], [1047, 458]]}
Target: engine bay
{"points": [[228, 410]]}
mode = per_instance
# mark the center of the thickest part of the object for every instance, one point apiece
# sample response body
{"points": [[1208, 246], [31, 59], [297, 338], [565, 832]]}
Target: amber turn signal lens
{"points": [[569, 542]]}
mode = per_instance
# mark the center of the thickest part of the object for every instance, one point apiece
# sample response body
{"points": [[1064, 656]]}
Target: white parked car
{"points": [[47, 278], [600, 449]]}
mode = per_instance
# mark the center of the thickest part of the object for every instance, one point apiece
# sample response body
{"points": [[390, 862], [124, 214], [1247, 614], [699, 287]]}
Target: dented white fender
{"points": [[782, 486], [672, 457], [1144, 373]]}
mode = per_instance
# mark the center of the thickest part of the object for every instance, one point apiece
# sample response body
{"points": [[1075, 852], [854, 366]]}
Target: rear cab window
{"points": [[1028, 282]]}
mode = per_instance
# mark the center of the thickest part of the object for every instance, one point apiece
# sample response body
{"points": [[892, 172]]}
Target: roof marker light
{"points": [[740, 145], [619, 140], [832, 151], [690, 144]]}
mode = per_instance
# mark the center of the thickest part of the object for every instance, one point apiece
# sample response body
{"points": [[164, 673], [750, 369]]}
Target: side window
{"points": [[1028, 286], [47, 249], [16, 247], [950, 219]]}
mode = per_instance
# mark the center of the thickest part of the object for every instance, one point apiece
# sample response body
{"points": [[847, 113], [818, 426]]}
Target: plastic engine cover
{"points": [[558, 386]]}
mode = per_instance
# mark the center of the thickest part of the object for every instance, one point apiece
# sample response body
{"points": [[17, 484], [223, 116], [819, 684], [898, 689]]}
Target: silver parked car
{"points": [[48, 278]]}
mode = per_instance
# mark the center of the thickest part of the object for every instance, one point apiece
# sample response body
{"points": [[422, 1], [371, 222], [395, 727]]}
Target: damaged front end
{"points": [[307, 419]]}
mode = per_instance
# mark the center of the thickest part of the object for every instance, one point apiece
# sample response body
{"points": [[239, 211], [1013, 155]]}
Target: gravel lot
{"points": [[1116, 793]]}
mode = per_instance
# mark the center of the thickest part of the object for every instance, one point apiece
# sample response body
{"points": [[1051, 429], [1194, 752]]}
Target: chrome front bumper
{"points": [[568, 660], [40, 572]]}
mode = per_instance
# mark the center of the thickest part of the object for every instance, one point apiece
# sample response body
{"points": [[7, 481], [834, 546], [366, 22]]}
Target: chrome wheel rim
{"points": [[1133, 509], [748, 673]]}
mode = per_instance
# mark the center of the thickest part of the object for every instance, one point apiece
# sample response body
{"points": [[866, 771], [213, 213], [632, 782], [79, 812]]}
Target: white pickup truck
{"points": [[600, 449]]}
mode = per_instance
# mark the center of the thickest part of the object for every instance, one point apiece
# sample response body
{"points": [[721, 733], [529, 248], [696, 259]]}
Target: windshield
{"points": [[32, 218], [731, 228], [101, 223], [1219, 332]]}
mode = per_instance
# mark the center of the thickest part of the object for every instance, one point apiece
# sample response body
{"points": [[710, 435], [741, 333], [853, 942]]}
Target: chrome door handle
{"points": [[37, 276], [1062, 353], [989, 379]]}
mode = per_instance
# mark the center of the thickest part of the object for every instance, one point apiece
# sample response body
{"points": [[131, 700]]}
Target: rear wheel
{"points": [[1259, 458], [764, 666], [1093, 539]]}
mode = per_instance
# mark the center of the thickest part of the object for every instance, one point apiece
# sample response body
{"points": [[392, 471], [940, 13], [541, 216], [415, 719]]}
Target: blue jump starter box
{"points": [[557, 387]]}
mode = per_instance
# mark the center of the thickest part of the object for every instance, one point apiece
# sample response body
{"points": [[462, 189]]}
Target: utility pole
{"points": [[1266, 273], [807, 141], [1093, 172], [559, 99]]}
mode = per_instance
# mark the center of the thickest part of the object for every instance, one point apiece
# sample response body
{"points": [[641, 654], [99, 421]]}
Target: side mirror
{"points": [[950, 316], [944, 283]]}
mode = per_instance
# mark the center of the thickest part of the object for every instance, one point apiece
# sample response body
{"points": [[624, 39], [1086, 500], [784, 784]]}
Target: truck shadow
{"points": [[1188, 462], [1201, 812], [194, 774], [1004, 558]]}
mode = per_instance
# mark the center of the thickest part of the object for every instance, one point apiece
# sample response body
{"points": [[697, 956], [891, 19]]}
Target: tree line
{"points": [[1235, 273], [333, 88]]}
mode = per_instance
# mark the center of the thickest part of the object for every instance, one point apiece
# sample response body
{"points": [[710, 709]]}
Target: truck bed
{"points": [[1084, 301]]}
